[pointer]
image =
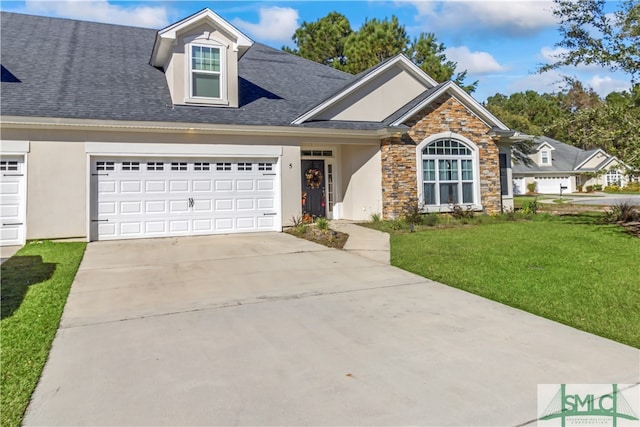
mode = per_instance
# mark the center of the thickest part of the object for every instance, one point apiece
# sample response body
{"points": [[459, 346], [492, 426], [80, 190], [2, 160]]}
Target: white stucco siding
{"points": [[378, 99], [361, 182], [290, 184], [56, 190]]}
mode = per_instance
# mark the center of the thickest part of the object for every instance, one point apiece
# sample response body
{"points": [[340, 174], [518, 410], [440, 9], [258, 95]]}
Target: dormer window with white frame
{"points": [[207, 72], [199, 56], [545, 157]]}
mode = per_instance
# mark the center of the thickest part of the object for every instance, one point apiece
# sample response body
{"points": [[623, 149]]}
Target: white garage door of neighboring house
{"points": [[149, 197], [12, 200], [552, 185], [518, 186]]}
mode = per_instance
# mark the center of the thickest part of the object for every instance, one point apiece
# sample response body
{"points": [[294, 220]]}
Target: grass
{"points": [[569, 269], [35, 286]]}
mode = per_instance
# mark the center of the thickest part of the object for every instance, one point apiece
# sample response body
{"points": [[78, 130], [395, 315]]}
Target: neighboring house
{"points": [[555, 164], [113, 132]]}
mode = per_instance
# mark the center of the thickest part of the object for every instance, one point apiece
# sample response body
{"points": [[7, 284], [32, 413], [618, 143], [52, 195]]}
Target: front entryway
{"points": [[313, 188]]}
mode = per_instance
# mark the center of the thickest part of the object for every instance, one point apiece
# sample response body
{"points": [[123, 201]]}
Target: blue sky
{"points": [[500, 43]]}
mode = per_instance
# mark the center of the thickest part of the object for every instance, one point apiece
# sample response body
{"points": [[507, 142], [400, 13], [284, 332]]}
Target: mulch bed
{"points": [[330, 238]]}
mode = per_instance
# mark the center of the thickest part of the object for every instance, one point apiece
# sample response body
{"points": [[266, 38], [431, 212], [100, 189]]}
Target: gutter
{"points": [[47, 123]]}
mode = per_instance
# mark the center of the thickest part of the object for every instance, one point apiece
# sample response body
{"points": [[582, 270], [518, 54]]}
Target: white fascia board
{"points": [[400, 59], [14, 147], [48, 123], [598, 151], [611, 160], [168, 35], [467, 100], [551, 147]]}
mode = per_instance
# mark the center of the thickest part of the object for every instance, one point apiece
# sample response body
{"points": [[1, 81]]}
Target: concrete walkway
{"points": [[365, 242]]}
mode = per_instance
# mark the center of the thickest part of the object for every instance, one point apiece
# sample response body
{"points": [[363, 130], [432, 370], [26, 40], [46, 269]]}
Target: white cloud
{"points": [[552, 81], [101, 11], [473, 62], [605, 85], [275, 24], [548, 82], [551, 54], [508, 17]]}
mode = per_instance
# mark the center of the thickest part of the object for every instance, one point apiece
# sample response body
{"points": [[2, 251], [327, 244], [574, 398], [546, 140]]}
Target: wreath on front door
{"points": [[314, 178]]}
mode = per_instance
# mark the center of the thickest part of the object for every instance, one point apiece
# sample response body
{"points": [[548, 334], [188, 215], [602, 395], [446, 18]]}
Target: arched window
{"points": [[448, 173]]}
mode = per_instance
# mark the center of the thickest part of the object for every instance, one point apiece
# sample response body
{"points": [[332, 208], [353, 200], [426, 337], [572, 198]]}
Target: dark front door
{"points": [[313, 198]]}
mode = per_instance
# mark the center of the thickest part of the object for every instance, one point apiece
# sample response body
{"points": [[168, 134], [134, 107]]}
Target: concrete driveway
{"points": [[266, 329]]}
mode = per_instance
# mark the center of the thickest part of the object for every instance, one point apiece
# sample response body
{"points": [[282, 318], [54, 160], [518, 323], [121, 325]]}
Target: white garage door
{"points": [[12, 200], [518, 186], [546, 185], [136, 198]]}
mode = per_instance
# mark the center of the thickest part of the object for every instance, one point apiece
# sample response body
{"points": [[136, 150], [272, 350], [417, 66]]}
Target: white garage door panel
{"points": [[12, 200], [137, 198], [546, 185]]}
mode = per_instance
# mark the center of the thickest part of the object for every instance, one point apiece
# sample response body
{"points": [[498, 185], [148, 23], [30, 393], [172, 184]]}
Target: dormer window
{"points": [[545, 157], [199, 56], [207, 72], [206, 80]]}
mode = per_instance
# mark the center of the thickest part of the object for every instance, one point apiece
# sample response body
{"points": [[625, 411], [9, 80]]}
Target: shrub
{"points": [[589, 188], [431, 219], [398, 224], [622, 212], [633, 186], [531, 187], [301, 228], [458, 212], [412, 212], [579, 188], [597, 187], [612, 189], [322, 223], [530, 207]]}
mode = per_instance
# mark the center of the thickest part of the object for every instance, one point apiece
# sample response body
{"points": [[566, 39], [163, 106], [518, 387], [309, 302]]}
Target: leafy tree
{"points": [[374, 42], [428, 54], [323, 41], [528, 112], [331, 41], [590, 35], [577, 116]]}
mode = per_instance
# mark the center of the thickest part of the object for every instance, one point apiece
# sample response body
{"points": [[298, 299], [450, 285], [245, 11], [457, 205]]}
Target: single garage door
{"points": [[12, 200], [546, 185], [152, 197]]}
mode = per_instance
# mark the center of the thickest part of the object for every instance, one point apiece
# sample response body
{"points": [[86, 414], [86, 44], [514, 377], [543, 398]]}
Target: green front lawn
{"points": [[568, 269], [35, 285]]}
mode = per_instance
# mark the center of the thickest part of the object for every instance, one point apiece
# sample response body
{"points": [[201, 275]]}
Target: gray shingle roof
{"points": [[564, 158], [86, 70]]}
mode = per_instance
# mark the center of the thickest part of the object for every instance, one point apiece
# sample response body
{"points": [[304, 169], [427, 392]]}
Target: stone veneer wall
{"points": [[399, 180]]}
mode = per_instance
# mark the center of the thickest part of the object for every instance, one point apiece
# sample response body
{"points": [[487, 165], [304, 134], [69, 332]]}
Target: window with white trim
{"points": [[448, 173], [613, 177], [206, 72], [545, 157]]}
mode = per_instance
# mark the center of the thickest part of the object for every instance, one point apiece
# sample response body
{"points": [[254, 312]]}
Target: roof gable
{"points": [[166, 37], [463, 97], [374, 95]]}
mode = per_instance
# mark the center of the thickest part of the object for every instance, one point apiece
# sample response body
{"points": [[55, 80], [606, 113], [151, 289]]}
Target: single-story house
{"points": [[555, 164], [116, 132]]}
